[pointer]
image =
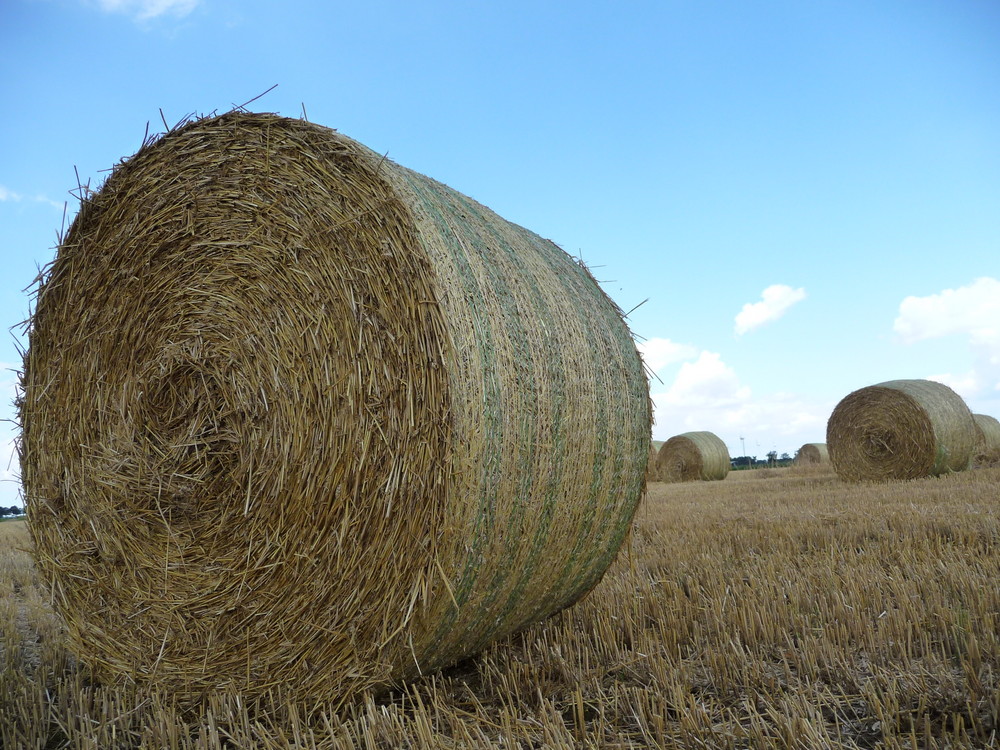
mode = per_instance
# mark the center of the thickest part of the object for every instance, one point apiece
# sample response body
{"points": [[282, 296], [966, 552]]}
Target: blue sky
{"points": [[806, 193]]}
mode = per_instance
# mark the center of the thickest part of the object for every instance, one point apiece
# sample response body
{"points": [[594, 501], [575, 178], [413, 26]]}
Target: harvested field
{"points": [[780, 608]]}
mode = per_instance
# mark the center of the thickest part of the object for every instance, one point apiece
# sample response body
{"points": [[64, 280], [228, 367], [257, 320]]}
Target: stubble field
{"points": [[777, 608]]}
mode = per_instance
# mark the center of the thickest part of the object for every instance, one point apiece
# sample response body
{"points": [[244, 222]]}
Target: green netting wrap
{"points": [[295, 415]]}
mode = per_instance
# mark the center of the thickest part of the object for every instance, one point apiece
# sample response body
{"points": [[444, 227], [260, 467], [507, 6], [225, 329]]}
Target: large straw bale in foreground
{"points": [[987, 439], [692, 456], [813, 453], [297, 416], [901, 429]]}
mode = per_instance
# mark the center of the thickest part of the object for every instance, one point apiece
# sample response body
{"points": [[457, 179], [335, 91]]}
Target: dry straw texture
{"points": [[651, 475], [692, 456], [987, 439], [901, 429], [813, 453], [295, 415]]}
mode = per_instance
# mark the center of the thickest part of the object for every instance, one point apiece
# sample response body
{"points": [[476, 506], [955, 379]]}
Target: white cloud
{"points": [[145, 10], [775, 301], [707, 395], [658, 353], [8, 195], [971, 311], [965, 385], [706, 382]]}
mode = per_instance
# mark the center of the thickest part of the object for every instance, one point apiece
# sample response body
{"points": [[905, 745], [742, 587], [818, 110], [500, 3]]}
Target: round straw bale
{"points": [[294, 415], [901, 429], [987, 439], [692, 456], [813, 453]]}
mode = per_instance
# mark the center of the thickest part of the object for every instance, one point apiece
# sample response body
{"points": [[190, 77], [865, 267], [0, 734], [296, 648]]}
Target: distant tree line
{"points": [[11, 511], [773, 460]]}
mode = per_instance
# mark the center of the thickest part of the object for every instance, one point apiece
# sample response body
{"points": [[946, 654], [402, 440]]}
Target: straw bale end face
{"points": [[235, 387], [900, 429], [295, 415]]}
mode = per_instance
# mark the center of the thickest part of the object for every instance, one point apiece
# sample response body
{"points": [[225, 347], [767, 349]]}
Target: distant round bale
{"points": [[692, 456], [813, 453], [298, 418], [900, 429], [987, 439]]}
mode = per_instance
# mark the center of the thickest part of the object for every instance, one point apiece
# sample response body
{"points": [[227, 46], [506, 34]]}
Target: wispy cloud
{"points": [[146, 10], [10, 196], [48, 201], [774, 302]]}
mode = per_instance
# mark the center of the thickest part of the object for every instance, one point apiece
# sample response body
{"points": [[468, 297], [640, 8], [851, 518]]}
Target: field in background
{"points": [[776, 608]]}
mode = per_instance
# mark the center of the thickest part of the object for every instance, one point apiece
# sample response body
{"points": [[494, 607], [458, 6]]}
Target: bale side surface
{"points": [[693, 456], [295, 416], [813, 453], [901, 429]]}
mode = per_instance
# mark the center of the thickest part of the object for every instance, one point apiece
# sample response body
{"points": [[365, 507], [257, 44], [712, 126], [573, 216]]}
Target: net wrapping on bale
{"points": [[692, 456], [900, 429], [295, 415]]}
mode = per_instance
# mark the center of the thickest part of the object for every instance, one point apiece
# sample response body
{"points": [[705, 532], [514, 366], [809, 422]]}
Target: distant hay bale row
{"points": [[900, 429], [692, 456], [297, 416], [813, 453]]}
